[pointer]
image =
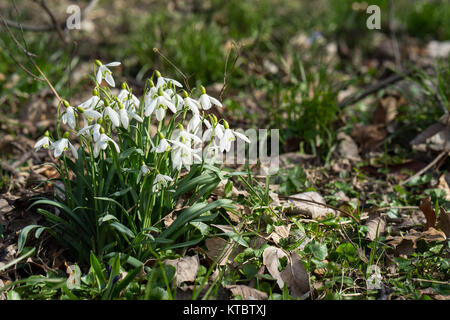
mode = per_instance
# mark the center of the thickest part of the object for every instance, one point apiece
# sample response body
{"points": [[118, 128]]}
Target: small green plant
{"points": [[117, 192]]}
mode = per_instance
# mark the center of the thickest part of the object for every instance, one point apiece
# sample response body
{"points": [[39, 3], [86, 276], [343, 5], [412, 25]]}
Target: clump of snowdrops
{"points": [[137, 159]]}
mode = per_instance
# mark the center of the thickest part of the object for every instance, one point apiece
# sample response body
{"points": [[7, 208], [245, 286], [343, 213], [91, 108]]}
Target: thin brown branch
{"points": [[56, 25], [185, 78]]}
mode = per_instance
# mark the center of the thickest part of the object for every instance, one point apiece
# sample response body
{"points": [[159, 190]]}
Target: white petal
{"points": [[113, 64], [215, 101], [110, 80], [74, 151], [241, 136], [124, 118]]}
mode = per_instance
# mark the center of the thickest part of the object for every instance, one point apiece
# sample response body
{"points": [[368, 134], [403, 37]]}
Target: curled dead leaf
{"points": [[444, 222], [186, 268], [246, 292], [430, 215], [314, 205], [376, 225]]}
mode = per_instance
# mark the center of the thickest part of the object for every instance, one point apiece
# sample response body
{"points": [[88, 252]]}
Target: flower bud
{"points": [[157, 74], [161, 136], [100, 120], [66, 135], [180, 126], [185, 94], [150, 83], [102, 130], [66, 103], [160, 91], [95, 92], [124, 85], [203, 90], [225, 124], [47, 134], [98, 63], [80, 109]]}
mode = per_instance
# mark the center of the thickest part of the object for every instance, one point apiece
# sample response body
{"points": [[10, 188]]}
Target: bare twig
{"points": [[431, 164], [373, 88], [30, 56], [321, 204], [185, 78], [225, 75], [56, 26]]}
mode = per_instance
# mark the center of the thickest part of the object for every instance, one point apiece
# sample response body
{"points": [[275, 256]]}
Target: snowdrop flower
{"points": [[113, 115], [143, 172], [163, 145], [165, 81], [182, 155], [91, 103], [128, 99], [229, 136], [104, 73], [177, 100], [44, 142], [160, 104], [207, 101], [184, 135], [102, 144], [95, 131], [69, 116], [194, 123], [123, 115], [161, 180], [213, 131], [192, 104], [62, 145]]}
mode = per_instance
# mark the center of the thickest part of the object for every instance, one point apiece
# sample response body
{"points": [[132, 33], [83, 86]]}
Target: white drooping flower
{"points": [[69, 117], [91, 103], [162, 81], [43, 142], [90, 115], [129, 100], [192, 104], [143, 172], [207, 101], [163, 146], [102, 144], [183, 135], [194, 124], [160, 104], [230, 136], [95, 131], [104, 72], [160, 181], [183, 155], [123, 114], [113, 115], [213, 131], [62, 145]]}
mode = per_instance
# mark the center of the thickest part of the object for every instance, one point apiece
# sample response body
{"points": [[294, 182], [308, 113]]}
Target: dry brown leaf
{"points": [[444, 222], [368, 136], [315, 211], [280, 232], [407, 244], [296, 277], [271, 256], [186, 268], [219, 248], [374, 223], [430, 215], [348, 147], [246, 292], [443, 185]]}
